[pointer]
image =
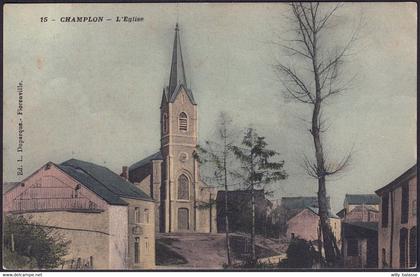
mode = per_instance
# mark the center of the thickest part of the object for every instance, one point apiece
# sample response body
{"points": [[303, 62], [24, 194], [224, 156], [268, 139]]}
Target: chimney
{"points": [[124, 173]]}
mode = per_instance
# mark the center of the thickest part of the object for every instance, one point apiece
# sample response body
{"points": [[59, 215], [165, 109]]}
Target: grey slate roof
{"points": [[102, 181], [177, 78], [155, 156], [301, 202], [8, 186], [359, 199]]}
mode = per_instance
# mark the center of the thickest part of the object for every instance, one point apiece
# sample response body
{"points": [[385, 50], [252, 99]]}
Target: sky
{"points": [[92, 90]]}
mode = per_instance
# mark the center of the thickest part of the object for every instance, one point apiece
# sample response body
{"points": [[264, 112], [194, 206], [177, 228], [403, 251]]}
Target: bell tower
{"points": [[178, 144]]}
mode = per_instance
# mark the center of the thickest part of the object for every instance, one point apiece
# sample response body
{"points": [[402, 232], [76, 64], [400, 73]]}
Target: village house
{"points": [[305, 225], [171, 176], [360, 217], [109, 221], [291, 206], [397, 231]]}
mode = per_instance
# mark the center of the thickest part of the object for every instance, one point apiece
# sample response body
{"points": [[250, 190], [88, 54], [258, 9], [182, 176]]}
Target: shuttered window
{"points": [[183, 122], [404, 203], [413, 247], [385, 209]]}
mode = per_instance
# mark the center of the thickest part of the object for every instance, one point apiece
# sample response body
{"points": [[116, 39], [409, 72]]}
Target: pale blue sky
{"points": [[92, 91]]}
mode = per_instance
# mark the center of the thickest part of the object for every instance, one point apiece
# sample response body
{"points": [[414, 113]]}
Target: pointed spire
{"points": [[177, 75]]}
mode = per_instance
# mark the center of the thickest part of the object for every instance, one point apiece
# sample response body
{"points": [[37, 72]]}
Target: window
{"points": [[385, 209], [146, 244], [183, 187], [404, 203], [384, 263], [76, 192], [165, 126], [183, 122], [352, 248], [413, 247], [137, 250], [403, 247], [146, 215], [414, 208], [137, 215]]}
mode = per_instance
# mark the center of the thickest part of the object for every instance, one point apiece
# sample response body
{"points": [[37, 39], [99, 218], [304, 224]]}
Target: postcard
{"points": [[210, 136]]}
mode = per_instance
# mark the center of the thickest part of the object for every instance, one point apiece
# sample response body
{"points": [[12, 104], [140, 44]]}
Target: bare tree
{"points": [[217, 154], [315, 77]]}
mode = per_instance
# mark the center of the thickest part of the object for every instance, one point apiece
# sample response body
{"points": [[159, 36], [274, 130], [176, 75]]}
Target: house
{"points": [[360, 217], [108, 220], [291, 206], [360, 201], [360, 244], [171, 175], [397, 231], [305, 225], [239, 211]]}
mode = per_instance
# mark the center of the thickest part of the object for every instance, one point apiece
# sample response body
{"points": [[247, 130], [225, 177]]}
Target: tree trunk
{"points": [[253, 255], [226, 198], [319, 154], [227, 223]]}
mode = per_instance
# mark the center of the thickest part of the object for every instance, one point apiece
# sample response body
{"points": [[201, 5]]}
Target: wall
{"points": [[118, 241], [144, 231], [92, 238], [304, 225], [355, 261], [384, 234]]}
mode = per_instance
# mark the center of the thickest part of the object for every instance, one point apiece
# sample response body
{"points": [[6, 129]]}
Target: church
{"points": [[171, 176]]}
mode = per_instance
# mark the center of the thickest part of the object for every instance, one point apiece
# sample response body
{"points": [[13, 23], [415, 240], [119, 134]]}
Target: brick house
{"points": [[108, 220], [397, 232], [305, 225]]}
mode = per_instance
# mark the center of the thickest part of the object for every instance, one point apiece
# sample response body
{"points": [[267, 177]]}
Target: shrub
{"points": [[300, 254], [37, 243]]}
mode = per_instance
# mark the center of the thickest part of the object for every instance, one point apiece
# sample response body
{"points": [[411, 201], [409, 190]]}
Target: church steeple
{"points": [[177, 76]]}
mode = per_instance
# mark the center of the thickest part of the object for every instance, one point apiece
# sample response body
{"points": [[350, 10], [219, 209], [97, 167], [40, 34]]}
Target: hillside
{"points": [[198, 250]]}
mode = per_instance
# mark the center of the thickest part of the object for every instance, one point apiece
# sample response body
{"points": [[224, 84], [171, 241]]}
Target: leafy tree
{"points": [[27, 239], [217, 154], [313, 76], [258, 170]]}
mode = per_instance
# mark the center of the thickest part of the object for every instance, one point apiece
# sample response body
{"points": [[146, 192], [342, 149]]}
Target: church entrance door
{"points": [[183, 219]]}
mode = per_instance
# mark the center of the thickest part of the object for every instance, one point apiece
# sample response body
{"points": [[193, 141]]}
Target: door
{"points": [[183, 219]]}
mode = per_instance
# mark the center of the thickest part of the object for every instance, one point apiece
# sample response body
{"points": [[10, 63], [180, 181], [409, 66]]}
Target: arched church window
{"points": [[183, 188], [183, 122], [165, 126]]}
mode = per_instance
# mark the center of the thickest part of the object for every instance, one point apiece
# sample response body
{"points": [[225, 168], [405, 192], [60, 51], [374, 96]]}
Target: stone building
{"points": [[397, 230], [108, 220], [360, 217], [171, 176], [291, 206], [305, 225]]}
